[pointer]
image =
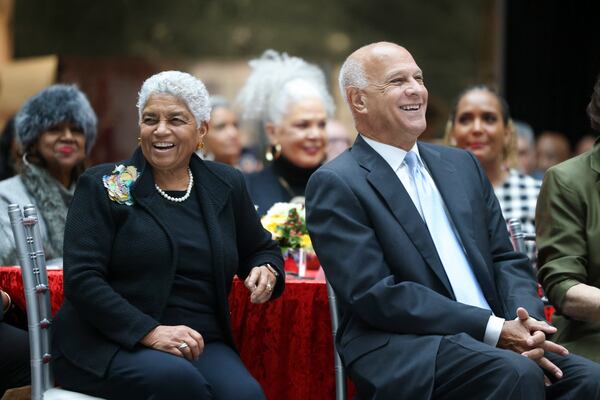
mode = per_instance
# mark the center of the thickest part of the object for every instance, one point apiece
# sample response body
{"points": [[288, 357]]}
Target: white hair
{"points": [[182, 85], [352, 74], [278, 81]]}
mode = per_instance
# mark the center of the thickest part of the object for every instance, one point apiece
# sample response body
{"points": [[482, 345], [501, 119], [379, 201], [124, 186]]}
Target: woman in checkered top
{"points": [[480, 123]]}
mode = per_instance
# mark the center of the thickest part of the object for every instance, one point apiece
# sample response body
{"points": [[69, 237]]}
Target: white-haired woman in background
{"points": [[151, 248], [290, 98]]}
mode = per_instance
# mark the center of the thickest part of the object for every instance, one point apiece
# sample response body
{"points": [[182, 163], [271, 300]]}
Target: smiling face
{"points": [[479, 127], [169, 134], [223, 141], [301, 133], [62, 147], [393, 104]]}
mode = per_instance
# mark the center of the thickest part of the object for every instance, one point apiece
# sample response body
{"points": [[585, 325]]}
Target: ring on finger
{"points": [[182, 346], [269, 287]]}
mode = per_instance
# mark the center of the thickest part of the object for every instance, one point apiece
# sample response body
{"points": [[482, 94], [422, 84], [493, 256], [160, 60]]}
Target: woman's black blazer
{"points": [[119, 260]]}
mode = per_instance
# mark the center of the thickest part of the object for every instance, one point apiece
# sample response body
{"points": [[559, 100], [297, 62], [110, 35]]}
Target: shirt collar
{"points": [[394, 156]]}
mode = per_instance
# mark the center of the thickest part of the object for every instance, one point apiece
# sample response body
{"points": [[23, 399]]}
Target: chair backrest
{"points": [[32, 260], [340, 372]]}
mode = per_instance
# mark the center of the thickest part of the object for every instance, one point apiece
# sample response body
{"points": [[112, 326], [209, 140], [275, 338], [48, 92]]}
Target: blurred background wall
{"points": [[542, 54]]}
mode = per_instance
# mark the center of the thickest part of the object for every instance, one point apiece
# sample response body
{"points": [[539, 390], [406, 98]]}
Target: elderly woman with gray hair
{"points": [[151, 248], [289, 97], [56, 129]]}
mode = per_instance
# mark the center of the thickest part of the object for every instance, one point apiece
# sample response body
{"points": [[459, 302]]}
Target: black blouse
{"points": [[280, 181], [193, 300]]}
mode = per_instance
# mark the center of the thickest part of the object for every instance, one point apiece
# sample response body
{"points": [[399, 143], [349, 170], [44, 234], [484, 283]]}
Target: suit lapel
{"points": [[385, 181], [145, 195], [451, 186], [213, 194]]}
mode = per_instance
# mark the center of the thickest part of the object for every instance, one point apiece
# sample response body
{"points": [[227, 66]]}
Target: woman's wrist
{"points": [[272, 270]]}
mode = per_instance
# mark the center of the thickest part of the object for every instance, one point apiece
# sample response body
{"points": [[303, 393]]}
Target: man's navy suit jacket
{"points": [[381, 261]]}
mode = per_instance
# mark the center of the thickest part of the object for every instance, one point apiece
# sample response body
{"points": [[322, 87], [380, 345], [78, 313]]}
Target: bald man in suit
{"points": [[436, 304]]}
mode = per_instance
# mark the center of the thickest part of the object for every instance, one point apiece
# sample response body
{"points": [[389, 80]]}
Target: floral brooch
{"points": [[119, 183]]}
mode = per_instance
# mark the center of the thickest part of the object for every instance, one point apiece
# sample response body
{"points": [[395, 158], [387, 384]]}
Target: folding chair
{"points": [[30, 251], [340, 372]]}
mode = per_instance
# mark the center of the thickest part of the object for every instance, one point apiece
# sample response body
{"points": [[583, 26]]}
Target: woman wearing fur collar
{"points": [[56, 129], [151, 248]]}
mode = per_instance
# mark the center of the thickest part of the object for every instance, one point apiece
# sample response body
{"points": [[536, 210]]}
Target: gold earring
{"points": [[277, 151], [139, 140], [273, 152], [200, 145]]}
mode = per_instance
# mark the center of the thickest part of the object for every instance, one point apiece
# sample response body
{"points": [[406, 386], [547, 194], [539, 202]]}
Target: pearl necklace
{"points": [[187, 194]]}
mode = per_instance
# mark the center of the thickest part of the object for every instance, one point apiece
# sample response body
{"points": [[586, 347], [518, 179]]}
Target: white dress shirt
{"points": [[394, 156]]}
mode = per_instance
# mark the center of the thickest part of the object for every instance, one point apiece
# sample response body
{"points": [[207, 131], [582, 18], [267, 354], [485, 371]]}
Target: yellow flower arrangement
{"points": [[286, 222]]}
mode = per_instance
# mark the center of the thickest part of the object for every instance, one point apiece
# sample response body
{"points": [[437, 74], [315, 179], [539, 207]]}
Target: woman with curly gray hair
{"points": [[56, 129], [289, 97], [151, 248]]}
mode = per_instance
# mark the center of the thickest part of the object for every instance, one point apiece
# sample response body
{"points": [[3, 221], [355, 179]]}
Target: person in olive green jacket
{"points": [[568, 240]]}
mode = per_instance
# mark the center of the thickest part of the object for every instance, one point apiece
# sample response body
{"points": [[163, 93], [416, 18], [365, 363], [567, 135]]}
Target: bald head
{"points": [[377, 52], [383, 85], [355, 70]]}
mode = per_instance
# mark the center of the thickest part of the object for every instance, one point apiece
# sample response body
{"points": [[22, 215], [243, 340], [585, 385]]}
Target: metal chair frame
{"points": [[28, 240], [519, 238], [340, 371]]}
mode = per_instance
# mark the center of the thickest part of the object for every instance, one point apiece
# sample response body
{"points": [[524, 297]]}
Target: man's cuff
{"points": [[493, 330]]}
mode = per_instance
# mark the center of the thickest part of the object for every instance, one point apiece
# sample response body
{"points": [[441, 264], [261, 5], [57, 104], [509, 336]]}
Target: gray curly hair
{"points": [[182, 85], [278, 80]]}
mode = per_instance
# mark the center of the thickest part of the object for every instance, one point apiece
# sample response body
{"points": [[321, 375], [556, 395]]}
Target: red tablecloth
{"points": [[286, 344], [11, 282]]}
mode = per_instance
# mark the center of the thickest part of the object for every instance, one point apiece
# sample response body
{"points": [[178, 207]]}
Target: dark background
{"points": [[552, 61]]}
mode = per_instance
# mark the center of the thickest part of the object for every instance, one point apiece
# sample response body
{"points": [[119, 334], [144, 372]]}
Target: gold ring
{"points": [[269, 287]]}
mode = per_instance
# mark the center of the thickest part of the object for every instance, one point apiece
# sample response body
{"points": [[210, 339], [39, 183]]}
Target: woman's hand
{"points": [[180, 340], [260, 282], [5, 300]]}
